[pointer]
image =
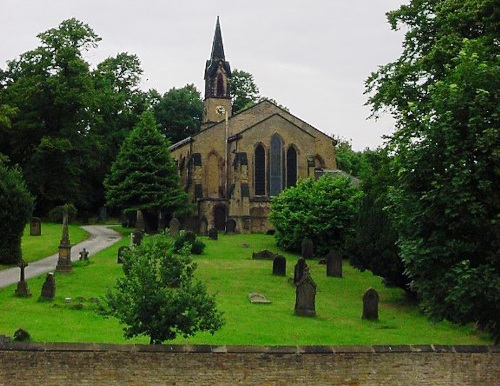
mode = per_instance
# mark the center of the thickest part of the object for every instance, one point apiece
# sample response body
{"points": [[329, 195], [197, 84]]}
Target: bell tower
{"points": [[217, 103]]}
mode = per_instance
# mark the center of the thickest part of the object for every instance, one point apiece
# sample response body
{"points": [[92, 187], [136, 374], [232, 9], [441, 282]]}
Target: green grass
{"points": [[38, 247], [227, 268]]}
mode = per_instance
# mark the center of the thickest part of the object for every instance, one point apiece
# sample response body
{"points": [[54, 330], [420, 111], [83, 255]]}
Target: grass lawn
{"points": [[37, 247], [227, 268]]}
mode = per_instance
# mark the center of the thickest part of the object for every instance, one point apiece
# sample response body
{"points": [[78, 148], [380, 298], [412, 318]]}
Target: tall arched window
{"points": [[260, 171], [220, 85], [291, 167], [276, 166]]}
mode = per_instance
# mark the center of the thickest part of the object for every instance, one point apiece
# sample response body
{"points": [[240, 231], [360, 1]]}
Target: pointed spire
{"points": [[217, 46]]}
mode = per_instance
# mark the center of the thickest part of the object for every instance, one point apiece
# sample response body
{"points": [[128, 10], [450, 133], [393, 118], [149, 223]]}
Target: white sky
{"points": [[311, 56]]}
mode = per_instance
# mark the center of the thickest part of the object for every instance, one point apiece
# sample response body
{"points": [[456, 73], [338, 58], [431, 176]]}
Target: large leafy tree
{"points": [[178, 112], [16, 207], [144, 176], [244, 90], [158, 296], [322, 210], [444, 93]]}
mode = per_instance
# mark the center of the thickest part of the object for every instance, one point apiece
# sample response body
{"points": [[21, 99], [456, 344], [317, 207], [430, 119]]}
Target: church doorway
{"points": [[220, 214]]}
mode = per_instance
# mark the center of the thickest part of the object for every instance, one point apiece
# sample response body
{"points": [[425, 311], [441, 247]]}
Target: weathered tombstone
{"points": [[370, 304], [307, 249], [334, 264], [265, 254], [84, 254], [305, 295], [230, 226], [64, 260], [279, 265], [174, 226], [35, 227], [121, 252], [203, 227], [22, 286], [258, 298], [137, 237], [49, 287], [298, 272], [213, 233]]}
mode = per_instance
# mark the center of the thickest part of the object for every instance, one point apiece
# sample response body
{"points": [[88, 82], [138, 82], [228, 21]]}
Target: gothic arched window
{"points": [[260, 171], [220, 85], [291, 167], [276, 166]]}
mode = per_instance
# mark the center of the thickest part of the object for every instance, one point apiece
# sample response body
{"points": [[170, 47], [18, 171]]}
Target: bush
{"points": [[57, 213], [197, 246], [322, 210]]}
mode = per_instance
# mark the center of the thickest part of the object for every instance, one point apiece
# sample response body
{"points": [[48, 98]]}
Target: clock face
{"points": [[220, 110]]}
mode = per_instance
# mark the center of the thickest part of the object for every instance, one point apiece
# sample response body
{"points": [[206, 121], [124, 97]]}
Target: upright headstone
{"points": [[305, 295], [64, 261], [370, 304], [307, 249], [213, 233], [174, 226], [83, 254], [35, 227], [137, 237], [279, 265], [22, 286], [121, 252], [203, 227], [49, 287], [299, 269], [334, 264], [230, 226]]}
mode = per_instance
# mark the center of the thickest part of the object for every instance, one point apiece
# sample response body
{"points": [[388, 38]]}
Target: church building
{"points": [[236, 163]]}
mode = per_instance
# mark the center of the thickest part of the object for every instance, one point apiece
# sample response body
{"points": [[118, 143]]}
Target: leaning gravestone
{"points": [[213, 233], [307, 249], [35, 227], [334, 264], [230, 226], [121, 252], [49, 287], [279, 265], [137, 237], [174, 226], [298, 271], [305, 295], [370, 304]]}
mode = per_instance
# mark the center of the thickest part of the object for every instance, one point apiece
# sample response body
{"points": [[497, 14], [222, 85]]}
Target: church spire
{"points": [[217, 46]]}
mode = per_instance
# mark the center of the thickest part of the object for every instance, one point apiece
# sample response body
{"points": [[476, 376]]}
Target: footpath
{"points": [[101, 237]]}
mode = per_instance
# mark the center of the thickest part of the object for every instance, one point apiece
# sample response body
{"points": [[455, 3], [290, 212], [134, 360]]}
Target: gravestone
{"points": [[84, 254], [49, 287], [64, 260], [137, 237], [307, 249], [299, 269], [305, 295], [22, 290], [370, 304], [265, 254], [35, 227], [213, 233], [174, 226], [258, 298], [121, 252], [203, 227], [230, 226], [334, 264], [279, 265]]}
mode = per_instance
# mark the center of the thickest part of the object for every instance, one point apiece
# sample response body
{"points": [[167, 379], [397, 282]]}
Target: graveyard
{"points": [[232, 267]]}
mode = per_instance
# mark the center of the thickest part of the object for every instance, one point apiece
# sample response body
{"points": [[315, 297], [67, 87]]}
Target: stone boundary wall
{"points": [[106, 364]]}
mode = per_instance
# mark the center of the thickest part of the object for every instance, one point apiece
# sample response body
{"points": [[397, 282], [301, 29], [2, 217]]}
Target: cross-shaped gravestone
{"points": [[84, 254], [22, 286]]}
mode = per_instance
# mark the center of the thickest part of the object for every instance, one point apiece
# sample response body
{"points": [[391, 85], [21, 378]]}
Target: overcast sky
{"points": [[311, 56]]}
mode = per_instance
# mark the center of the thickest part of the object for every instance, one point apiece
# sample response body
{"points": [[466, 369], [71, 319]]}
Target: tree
{"points": [[244, 90], [16, 207], [348, 160], [322, 210], [144, 176], [158, 296], [444, 93], [178, 112]]}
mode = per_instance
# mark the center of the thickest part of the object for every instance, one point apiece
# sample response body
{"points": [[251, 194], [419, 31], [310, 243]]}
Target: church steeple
{"points": [[217, 102]]}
